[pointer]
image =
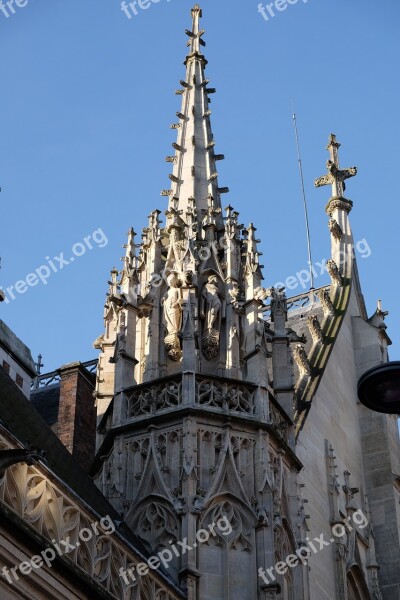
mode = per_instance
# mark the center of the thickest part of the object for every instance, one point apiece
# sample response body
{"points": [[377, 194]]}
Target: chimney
{"points": [[76, 426]]}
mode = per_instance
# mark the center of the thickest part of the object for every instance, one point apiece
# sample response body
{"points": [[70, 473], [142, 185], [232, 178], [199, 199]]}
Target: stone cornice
{"points": [[178, 414]]}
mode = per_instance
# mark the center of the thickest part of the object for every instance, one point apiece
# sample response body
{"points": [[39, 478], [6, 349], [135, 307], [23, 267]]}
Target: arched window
{"points": [[356, 586], [287, 589], [227, 560], [284, 546]]}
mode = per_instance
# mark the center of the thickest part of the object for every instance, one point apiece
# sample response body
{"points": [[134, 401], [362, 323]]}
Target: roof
{"points": [[46, 401], [14, 346]]}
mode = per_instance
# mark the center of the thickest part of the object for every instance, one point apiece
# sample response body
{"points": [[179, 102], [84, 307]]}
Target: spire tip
{"points": [[196, 10]]}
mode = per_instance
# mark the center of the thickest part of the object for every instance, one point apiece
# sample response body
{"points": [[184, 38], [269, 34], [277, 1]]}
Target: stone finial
{"points": [[130, 253]]}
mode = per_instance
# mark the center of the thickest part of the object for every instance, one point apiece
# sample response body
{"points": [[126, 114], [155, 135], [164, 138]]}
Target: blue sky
{"points": [[87, 97]]}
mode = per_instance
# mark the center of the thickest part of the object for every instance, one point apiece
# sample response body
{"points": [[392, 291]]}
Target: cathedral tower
{"points": [[203, 388], [191, 428]]}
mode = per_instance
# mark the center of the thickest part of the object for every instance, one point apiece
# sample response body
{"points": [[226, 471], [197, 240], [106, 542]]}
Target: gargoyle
{"points": [[294, 337]]}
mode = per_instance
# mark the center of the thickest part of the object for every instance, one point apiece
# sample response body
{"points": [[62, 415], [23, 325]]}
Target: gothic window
{"points": [[284, 546], [137, 457], [243, 449], [228, 557], [287, 588], [356, 586], [211, 445], [173, 457], [156, 525]]}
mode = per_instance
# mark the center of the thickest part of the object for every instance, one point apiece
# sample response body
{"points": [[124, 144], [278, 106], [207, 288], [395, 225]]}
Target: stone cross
{"points": [[335, 177], [39, 364]]}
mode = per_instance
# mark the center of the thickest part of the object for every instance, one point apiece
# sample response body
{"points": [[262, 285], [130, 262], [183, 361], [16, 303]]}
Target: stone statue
{"points": [[173, 316], [211, 305], [172, 304], [211, 312]]}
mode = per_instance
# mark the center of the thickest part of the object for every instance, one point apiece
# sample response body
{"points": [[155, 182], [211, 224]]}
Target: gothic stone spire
{"points": [[195, 175]]}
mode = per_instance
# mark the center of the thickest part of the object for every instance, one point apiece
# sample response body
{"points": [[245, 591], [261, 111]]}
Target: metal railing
{"points": [[42, 381]]}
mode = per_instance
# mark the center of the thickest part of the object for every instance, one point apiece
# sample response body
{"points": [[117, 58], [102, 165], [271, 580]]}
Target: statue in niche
{"points": [[211, 312], [173, 316], [211, 304], [172, 304]]}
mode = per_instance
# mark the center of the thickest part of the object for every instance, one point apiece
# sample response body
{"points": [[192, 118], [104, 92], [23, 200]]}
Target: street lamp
{"points": [[379, 388]]}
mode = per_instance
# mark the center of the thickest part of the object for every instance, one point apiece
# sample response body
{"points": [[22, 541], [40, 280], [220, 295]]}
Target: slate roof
{"points": [[46, 401]]}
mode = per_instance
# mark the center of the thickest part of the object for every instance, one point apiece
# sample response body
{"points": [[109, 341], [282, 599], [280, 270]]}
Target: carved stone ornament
{"points": [[262, 294], [315, 329], [272, 591], [173, 347], [278, 302], [335, 229], [326, 302], [377, 594], [262, 514], [338, 204], [300, 356], [333, 271], [210, 344]]}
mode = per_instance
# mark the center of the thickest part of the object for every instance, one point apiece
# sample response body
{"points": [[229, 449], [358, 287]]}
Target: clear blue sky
{"points": [[87, 97]]}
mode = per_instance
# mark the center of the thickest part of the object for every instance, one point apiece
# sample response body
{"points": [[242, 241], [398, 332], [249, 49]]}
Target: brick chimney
{"points": [[76, 426]]}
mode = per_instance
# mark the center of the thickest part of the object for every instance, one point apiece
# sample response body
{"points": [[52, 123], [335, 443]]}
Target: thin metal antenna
{"points": [[2, 294], [304, 199]]}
